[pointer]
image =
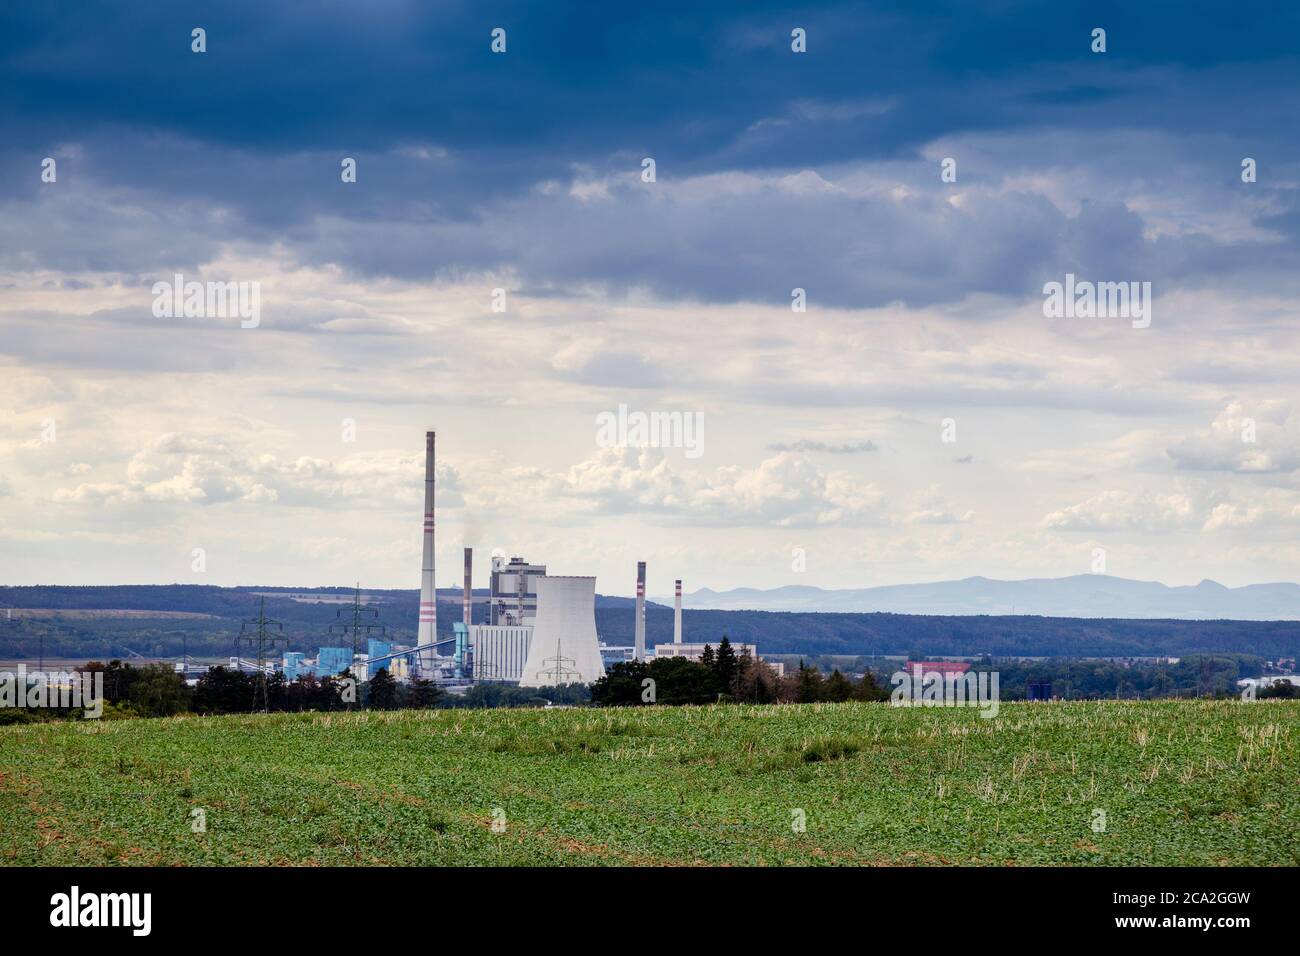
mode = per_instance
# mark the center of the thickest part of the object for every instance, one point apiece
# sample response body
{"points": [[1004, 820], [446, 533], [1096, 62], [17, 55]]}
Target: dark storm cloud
{"points": [[164, 153]]}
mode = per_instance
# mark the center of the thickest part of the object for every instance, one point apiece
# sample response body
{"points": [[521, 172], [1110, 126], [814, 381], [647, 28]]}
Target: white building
{"points": [[1264, 682], [498, 653], [513, 599], [564, 648], [693, 652]]}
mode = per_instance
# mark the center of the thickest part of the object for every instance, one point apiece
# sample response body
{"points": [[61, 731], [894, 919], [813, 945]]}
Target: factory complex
{"points": [[539, 629]]}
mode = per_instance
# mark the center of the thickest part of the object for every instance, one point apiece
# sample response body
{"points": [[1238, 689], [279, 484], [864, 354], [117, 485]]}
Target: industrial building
{"points": [[294, 666], [564, 648], [513, 597], [375, 649], [693, 652], [332, 661], [498, 653]]}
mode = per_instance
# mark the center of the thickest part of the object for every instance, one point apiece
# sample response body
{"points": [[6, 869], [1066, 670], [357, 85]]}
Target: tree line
{"points": [[722, 675]]}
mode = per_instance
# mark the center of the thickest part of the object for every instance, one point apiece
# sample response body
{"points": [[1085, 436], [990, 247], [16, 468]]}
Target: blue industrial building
{"points": [[375, 649], [331, 661], [293, 664]]}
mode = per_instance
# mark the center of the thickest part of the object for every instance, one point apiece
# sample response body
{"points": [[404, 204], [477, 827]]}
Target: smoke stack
{"points": [[639, 651], [469, 587], [677, 615], [428, 630]]}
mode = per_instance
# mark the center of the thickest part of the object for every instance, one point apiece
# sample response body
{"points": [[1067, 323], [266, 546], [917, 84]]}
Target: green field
{"points": [[1180, 782]]}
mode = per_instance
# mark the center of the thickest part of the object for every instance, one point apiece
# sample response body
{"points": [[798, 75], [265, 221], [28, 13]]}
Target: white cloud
{"points": [[785, 490], [1125, 511], [1246, 437]]}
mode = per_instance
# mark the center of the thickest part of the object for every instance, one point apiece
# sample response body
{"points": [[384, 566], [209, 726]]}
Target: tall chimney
{"points": [[428, 630], [677, 615], [468, 612], [639, 650]]}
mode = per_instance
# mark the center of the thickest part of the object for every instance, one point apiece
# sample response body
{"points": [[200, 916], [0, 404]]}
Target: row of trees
{"points": [[1199, 675], [155, 690], [724, 675]]}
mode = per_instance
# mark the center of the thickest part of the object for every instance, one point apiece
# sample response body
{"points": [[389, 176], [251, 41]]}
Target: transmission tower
{"points": [[257, 632], [559, 671], [364, 624]]}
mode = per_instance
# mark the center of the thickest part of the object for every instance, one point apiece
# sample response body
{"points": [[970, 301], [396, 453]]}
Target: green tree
{"points": [[837, 687], [158, 691], [383, 690], [621, 685], [808, 686], [745, 686], [421, 694], [869, 689], [222, 691], [725, 665]]}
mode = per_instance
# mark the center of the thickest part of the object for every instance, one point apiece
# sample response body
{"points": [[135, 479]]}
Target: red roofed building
{"points": [[938, 667]]}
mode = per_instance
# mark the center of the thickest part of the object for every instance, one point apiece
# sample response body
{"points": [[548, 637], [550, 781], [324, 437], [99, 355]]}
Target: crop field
{"points": [[1173, 782]]}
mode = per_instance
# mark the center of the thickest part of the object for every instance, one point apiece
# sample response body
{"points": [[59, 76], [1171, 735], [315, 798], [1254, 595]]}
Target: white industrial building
{"points": [[498, 653], [513, 597], [564, 648], [693, 652]]}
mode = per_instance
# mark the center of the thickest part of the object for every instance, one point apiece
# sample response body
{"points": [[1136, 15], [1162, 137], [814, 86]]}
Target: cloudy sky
{"points": [[130, 440]]}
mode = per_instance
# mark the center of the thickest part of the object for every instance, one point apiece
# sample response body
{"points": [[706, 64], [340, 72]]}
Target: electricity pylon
{"points": [[559, 670], [261, 638], [358, 628]]}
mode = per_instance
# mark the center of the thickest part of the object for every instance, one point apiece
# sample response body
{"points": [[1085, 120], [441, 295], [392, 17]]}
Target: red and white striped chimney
{"points": [[677, 614], [467, 611], [428, 629], [638, 651]]}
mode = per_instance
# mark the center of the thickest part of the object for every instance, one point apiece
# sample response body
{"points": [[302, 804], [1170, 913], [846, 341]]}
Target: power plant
{"points": [[538, 629]]}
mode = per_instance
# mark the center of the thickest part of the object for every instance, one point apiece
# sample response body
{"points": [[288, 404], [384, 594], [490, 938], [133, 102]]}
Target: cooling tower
{"points": [[638, 652], [428, 629], [564, 648], [677, 614]]}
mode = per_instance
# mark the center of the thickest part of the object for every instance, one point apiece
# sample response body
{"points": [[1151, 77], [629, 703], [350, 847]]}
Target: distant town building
{"points": [[693, 652], [612, 654], [1258, 682], [945, 668]]}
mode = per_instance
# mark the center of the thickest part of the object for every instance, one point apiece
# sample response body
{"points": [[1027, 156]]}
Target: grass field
{"points": [[1179, 782]]}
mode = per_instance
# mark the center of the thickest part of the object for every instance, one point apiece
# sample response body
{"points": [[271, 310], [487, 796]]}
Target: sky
{"points": [[923, 418]]}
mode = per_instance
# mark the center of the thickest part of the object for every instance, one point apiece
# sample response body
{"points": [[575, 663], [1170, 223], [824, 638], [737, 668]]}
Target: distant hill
{"points": [[1081, 596], [204, 621]]}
